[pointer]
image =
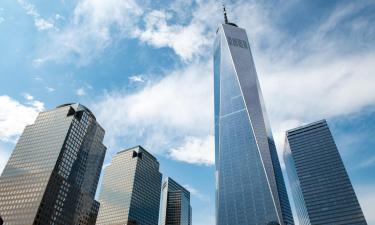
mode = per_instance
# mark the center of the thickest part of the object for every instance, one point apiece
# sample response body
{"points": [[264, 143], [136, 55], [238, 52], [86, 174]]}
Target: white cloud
{"points": [[81, 92], [30, 8], [28, 96], [2, 19], [161, 113], [187, 27], [59, 17], [178, 7], [37, 78], [14, 116], [137, 78], [50, 89], [43, 24], [195, 150], [94, 26], [38, 62], [339, 15], [318, 88], [40, 23], [190, 35], [187, 41], [196, 193], [38, 105], [191, 189]]}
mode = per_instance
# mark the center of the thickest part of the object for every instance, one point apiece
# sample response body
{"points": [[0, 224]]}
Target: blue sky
{"points": [[145, 69]]}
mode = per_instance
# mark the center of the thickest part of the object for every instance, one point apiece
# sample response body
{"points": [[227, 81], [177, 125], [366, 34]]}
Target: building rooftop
{"points": [[319, 122], [78, 105], [140, 148]]}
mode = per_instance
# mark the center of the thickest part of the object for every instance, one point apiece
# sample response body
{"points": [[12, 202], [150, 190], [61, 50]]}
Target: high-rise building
{"points": [[250, 188], [53, 172], [175, 208], [130, 192], [321, 188]]}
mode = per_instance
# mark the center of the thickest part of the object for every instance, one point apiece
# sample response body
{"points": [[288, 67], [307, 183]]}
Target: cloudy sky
{"points": [[144, 67]]}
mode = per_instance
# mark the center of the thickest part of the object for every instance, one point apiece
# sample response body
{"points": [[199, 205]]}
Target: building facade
{"points": [[53, 172], [175, 208], [130, 192], [250, 188], [321, 188]]}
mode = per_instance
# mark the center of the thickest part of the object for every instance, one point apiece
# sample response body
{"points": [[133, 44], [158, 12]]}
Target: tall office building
{"points": [[130, 192], [250, 188], [175, 209], [322, 191], [52, 174]]}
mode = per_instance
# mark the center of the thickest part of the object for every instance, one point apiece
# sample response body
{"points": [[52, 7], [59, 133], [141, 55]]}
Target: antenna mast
{"points": [[225, 14]]}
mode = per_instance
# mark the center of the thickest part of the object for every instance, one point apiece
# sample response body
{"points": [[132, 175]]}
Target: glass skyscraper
{"points": [[175, 208], [250, 188], [53, 172], [321, 188], [130, 192]]}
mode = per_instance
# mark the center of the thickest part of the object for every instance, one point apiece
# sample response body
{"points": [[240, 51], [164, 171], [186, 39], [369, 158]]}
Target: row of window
{"points": [[237, 42]]}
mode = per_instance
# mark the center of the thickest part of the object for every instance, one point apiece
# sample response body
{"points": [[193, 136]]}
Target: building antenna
{"points": [[225, 14]]}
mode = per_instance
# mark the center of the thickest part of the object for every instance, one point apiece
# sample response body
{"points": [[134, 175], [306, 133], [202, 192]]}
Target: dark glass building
{"points": [[130, 192], [53, 172], [322, 191], [250, 188], [175, 209]]}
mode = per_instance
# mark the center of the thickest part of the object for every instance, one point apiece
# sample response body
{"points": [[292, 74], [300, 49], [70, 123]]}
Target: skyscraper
{"points": [[175, 209], [52, 174], [130, 193], [250, 188], [322, 191]]}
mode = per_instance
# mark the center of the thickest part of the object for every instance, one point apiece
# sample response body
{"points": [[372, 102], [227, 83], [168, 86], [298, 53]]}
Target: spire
{"points": [[226, 18], [225, 14]]}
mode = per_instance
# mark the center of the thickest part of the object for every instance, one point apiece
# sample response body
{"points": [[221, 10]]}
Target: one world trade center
{"points": [[250, 188]]}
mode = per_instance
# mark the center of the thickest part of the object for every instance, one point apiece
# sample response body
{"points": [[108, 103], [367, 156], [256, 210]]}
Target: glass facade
{"points": [[175, 208], [250, 187], [53, 172], [321, 188], [130, 192]]}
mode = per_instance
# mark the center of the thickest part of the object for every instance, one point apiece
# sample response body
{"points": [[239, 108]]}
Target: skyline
{"points": [[128, 69]]}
